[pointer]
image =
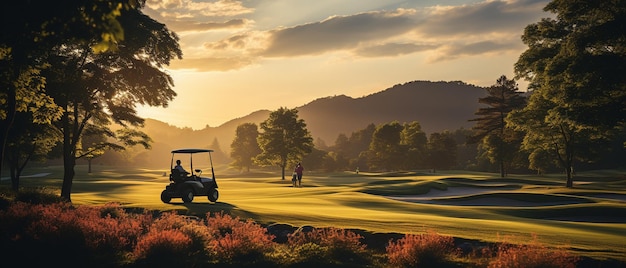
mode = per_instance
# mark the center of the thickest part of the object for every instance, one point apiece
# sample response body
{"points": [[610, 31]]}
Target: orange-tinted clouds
{"points": [[264, 54], [448, 31]]}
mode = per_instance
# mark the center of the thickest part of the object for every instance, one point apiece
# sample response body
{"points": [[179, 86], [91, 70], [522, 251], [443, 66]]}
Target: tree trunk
{"points": [[15, 180], [502, 174], [7, 123], [89, 164], [283, 171], [68, 175], [69, 158], [570, 179]]}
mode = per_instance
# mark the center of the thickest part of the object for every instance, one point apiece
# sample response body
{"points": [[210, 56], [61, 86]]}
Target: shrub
{"points": [[234, 240], [39, 195], [49, 231], [192, 227], [533, 255], [163, 248], [424, 250], [327, 245], [108, 229]]}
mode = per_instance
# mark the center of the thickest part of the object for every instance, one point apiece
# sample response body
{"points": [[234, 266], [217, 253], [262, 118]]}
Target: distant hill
{"points": [[437, 106]]}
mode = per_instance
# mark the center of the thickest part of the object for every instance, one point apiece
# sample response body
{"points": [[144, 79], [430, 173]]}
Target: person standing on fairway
{"points": [[298, 172]]}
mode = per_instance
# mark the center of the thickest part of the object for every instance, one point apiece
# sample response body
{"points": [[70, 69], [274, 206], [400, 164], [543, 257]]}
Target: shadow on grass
{"points": [[201, 209]]}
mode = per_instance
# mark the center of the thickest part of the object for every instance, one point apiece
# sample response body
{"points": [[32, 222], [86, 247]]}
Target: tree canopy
{"points": [[97, 77], [575, 64], [284, 138], [500, 141], [245, 147]]}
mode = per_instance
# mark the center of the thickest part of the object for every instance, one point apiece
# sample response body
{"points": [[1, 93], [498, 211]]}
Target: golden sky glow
{"points": [[244, 56]]}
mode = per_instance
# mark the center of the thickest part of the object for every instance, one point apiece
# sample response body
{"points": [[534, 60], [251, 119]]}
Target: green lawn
{"points": [[589, 218]]}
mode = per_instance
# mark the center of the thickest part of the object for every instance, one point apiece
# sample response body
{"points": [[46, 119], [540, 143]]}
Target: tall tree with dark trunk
{"points": [[284, 138], [500, 141], [29, 30], [575, 64], [100, 89]]}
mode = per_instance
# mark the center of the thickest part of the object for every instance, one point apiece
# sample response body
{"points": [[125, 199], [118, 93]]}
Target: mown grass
{"points": [[582, 218]]}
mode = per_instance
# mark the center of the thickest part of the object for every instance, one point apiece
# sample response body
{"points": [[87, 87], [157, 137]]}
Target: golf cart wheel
{"points": [[165, 197], [188, 195], [213, 195]]}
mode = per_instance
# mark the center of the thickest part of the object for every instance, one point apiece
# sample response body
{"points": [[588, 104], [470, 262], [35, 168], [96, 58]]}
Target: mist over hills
{"points": [[437, 106]]}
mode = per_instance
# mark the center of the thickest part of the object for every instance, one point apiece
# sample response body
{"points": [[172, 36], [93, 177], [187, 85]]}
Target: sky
{"points": [[243, 56]]}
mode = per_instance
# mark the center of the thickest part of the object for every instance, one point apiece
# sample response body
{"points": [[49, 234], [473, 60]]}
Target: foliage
{"points": [[423, 250], [327, 246], [500, 141], [237, 241], [353, 148], [97, 89], [575, 64], [414, 141], [36, 27], [245, 147], [532, 255], [163, 248], [284, 139], [385, 151], [441, 150]]}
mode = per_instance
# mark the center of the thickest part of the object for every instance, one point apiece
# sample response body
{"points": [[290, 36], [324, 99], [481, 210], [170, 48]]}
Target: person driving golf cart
{"points": [[179, 173]]}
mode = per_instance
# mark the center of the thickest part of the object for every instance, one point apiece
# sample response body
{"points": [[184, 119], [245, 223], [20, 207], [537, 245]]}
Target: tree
{"points": [[98, 89], [27, 141], [94, 142], [575, 65], [414, 139], [29, 30], [549, 130], [499, 140], [245, 147], [385, 151], [441, 150], [284, 138], [357, 147]]}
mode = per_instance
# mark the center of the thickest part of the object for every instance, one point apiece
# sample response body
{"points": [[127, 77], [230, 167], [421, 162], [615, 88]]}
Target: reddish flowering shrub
{"points": [[533, 255], [327, 246], [424, 250], [237, 240], [163, 248], [329, 237], [109, 228], [49, 230], [194, 228]]}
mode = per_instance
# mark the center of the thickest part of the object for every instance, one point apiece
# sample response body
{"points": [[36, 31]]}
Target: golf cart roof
{"points": [[191, 151]]}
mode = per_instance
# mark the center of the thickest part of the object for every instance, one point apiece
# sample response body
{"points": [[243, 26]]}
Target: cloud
{"points": [[481, 18], [448, 32], [454, 51], [211, 64], [190, 8], [187, 15], [338, 33], [392, 49], [183, 26]]}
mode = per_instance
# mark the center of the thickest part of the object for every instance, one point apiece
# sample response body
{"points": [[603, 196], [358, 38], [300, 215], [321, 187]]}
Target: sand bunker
{"points": [[486, 196]]}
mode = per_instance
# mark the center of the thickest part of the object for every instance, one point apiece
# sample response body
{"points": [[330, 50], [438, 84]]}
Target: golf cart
{"points": [[187, 185]]}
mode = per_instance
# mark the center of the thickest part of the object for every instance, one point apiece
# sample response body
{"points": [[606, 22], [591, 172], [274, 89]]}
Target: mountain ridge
{"points": [[437, 106]]}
